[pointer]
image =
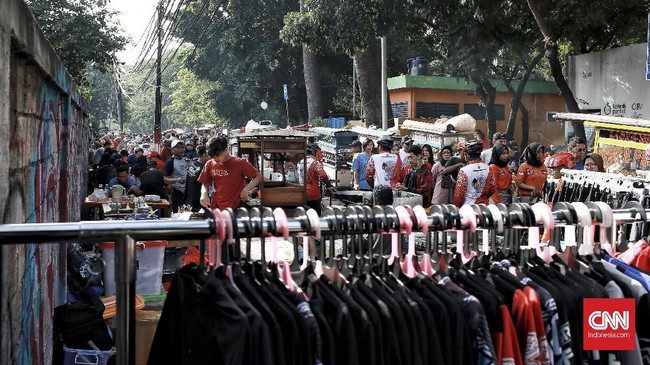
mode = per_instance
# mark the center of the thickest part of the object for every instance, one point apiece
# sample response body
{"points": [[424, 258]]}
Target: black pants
{"points": [[178, 199], [315, 205]]}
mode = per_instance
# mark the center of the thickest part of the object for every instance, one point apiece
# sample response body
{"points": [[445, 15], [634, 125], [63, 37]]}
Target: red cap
{"points": [[154, 154]]}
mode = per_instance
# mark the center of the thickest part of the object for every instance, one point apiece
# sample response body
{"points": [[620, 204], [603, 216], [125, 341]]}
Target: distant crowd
{"points": [[468, 172]]}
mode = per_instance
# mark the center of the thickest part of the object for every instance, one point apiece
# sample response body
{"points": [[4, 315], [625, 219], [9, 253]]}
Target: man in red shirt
{"points": [[227, 174], [315, 174]]}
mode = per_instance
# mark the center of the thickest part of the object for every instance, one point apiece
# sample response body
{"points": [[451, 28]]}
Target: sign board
{"points": [[286, 91]]}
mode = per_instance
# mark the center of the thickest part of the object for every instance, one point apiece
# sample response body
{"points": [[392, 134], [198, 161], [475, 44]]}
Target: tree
{"points": [[83, 33], [191, 103], [586, 26]]}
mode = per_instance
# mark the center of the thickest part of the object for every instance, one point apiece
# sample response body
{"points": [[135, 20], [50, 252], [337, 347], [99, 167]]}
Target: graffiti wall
{"points": [[43, 175]]}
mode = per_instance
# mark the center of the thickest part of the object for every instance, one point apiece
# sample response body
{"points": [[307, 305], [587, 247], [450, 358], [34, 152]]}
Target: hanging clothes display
{"points": [[466, 300]]}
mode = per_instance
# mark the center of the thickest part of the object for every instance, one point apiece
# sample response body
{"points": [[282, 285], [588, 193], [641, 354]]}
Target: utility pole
{"points": [[119, 96], [384, 87], [158, 110]]}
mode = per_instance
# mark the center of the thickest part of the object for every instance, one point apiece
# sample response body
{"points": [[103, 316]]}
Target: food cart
{"points": [[623, 143], [336, 145], [431, 134], [276, 153]]}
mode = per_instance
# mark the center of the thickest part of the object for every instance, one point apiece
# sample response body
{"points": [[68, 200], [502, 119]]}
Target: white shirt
{"points": [[384, 166]]}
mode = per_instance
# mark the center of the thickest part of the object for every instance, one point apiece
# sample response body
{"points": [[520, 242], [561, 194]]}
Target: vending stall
{"points": [[276, 153], [624, 143], [336, 145]]}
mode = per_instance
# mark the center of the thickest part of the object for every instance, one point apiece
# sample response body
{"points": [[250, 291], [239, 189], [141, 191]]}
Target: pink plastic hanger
{"points": [[406, 226], [467, 219], [423, 222], [215, 243], [588, 229], [283, 267]]}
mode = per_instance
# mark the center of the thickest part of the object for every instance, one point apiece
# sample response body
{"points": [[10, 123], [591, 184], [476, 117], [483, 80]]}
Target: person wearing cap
{"points": [[192, 183], [227, 175], [497, 138], [360, 165], [475, 183], [314, 175], [152, 181], [155, 156], [382, 165], [175, 173], [406, 142], [190, 152]]}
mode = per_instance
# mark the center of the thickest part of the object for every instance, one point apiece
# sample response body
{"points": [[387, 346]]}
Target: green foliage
{"points": [[102, 97], [83, 33], [191, 100]]}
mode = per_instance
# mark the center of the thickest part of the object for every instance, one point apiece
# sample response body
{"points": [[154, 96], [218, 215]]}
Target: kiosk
{"points": [[623, 143], [274, 153], [336, 145]]}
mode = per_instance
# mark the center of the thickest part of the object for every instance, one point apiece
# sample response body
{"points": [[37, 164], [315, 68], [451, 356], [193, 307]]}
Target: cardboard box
{"points": [[146, 322]]}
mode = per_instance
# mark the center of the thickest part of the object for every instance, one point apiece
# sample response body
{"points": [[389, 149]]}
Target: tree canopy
{"points": [[84, 33]]}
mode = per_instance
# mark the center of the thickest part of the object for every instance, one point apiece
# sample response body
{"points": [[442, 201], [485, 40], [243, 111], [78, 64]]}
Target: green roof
{"points": [[452, 83]]}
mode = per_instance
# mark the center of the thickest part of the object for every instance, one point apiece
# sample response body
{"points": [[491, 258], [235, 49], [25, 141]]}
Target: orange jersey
{"points": [[530, 175]]}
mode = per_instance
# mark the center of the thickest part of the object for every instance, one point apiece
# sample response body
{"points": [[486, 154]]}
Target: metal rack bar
{"points": [[126, 233]]}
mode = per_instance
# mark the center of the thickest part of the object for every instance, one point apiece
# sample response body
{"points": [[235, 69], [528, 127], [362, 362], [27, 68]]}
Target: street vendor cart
{"points": [[276, 154], [431, 134], [336, 145], [624, 143]]}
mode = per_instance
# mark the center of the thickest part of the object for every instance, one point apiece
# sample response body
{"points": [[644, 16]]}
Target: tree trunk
{"points": [[368, 64], [487, 93], [515, 101], [565, 91], [550, 45], [525, 126], [312, 85], [312, 81]]}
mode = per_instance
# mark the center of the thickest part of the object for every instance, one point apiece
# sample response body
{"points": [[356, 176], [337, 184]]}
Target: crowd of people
{"points": [[171, 173], [467, 172]]}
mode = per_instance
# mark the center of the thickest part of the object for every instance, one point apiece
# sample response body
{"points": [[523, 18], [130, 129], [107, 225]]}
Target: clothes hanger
{"points": [[468, 220], [228, 247], [423, 223], [242, 216], [330, 217], [444, 219], [235, 234], [544, 216], [363, 226], [606, 222], [280, 218], [382, 228], [406, 227], [570, 243], [216, 243], [300, 215]]}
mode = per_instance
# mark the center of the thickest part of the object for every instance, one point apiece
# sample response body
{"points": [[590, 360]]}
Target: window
{"points": [[478, 112], [435, 110], [400, 110]]}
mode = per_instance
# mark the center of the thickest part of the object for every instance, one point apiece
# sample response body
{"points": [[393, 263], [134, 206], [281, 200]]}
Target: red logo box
{"points": [[608, 324]]}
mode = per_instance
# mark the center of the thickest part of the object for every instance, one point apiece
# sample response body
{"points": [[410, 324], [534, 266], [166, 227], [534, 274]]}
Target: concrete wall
{"points": [[612, 81], [43, 171]]}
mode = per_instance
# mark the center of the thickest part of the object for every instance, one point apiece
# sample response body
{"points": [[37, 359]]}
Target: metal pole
{"points": [[286, 102], [384, 87], [354, 88], [158, 108], [125, 320]]}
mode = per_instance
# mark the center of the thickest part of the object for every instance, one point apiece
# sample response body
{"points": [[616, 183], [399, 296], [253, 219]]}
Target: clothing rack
{"points": [[333, 221], [595, 186]]}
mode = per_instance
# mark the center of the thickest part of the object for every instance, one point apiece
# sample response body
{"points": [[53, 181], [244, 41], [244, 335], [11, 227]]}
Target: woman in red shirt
{"points": [[532, 174], [502, 174]]}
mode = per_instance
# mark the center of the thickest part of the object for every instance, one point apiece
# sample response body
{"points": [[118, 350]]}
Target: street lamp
{"points": [[264, 105]]}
